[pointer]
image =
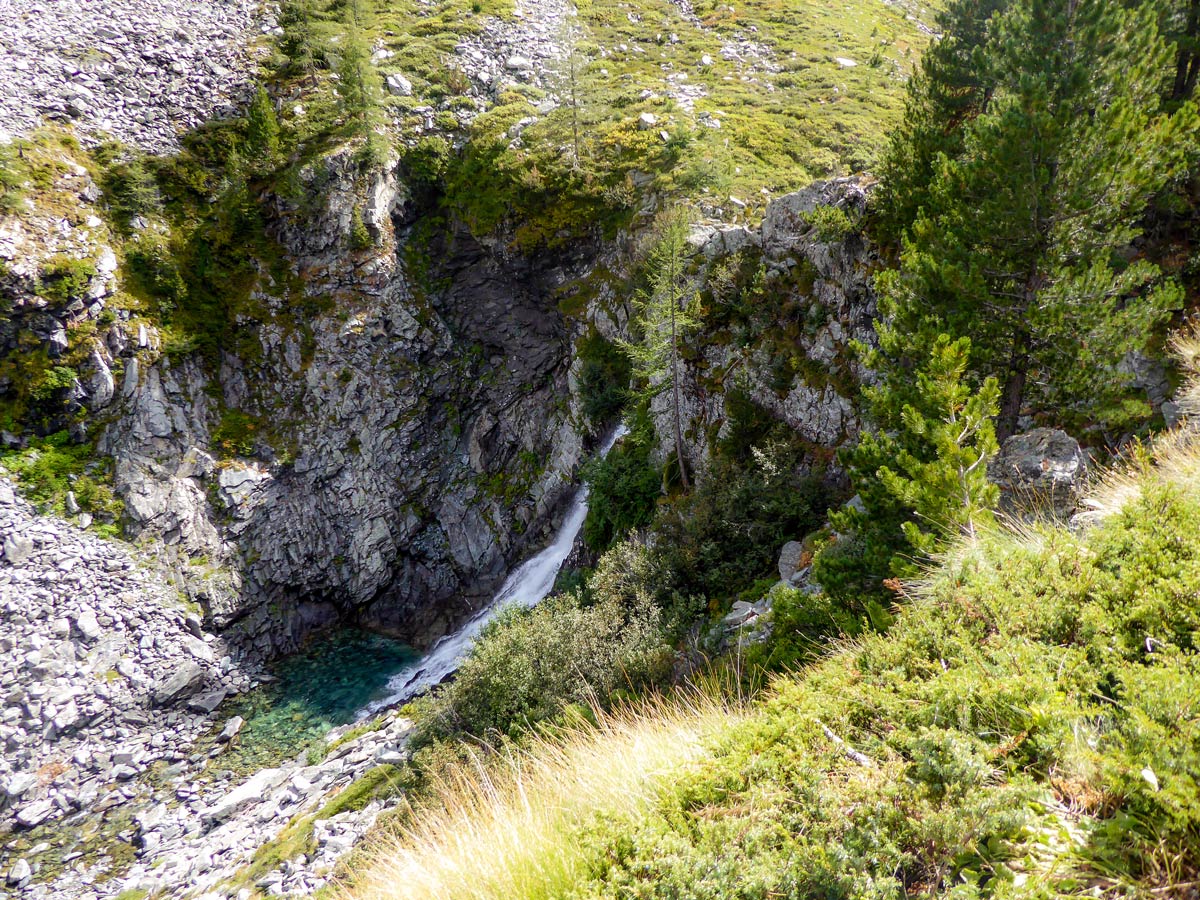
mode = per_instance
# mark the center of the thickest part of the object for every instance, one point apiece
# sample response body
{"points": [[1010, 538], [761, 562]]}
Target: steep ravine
{"points": [[429, 415], [417, 428]]}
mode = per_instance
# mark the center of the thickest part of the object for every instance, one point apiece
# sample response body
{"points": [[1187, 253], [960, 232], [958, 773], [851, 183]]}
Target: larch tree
{"points": [[357, 81], [665, 311], [262, 129], [570, 75]]}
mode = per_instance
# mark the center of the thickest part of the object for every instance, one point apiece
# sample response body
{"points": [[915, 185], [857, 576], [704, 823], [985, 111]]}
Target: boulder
{"points": [[790, 560], [101, 385], [187, 680], [18, 784], [88, 627], [399, 86], [253, 790], [207, 702], [1040, 473], [35, 813], [231, 729], [17, 548], [20, 874]]}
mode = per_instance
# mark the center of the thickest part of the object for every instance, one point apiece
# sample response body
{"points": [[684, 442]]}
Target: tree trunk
{"points": [[683, 476], [1013, 392], [1187, 66]]}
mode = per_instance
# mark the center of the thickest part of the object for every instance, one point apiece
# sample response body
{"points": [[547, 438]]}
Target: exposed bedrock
{"points": [[420, 423], [384, 430]]}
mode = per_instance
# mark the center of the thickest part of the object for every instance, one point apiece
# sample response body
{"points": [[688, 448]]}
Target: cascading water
{"points": [[527, 585]]}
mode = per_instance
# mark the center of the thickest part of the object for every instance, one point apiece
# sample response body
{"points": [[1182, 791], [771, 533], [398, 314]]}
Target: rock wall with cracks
{"points": [[417, 415], [427, 411], [792, 359]]}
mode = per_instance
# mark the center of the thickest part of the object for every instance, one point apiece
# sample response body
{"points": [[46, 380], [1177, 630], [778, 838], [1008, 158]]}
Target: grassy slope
{"points": [[790, 115], [1031, 726]]}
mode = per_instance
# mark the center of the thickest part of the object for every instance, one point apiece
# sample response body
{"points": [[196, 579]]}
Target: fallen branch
{"points": [[861, 758]]}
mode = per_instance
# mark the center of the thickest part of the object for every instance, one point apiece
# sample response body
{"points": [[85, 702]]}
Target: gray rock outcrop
{"points": [[430, 445], [816, 298], [1040, 473]]}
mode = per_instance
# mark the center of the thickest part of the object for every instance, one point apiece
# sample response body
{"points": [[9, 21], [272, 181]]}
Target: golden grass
{"points": [[513, 828], [1173, 457]]}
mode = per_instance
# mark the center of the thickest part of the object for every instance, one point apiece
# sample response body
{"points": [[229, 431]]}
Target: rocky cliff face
{"points": [[406, 409], [423, 435], [807, 274]]}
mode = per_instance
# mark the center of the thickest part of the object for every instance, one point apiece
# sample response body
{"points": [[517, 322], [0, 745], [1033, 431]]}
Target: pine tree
{"points": [[1182, 26], [1022, 237], [262, 128], [301, 40], [946, 487], [952, 86], [920, 475], [664, 313]]}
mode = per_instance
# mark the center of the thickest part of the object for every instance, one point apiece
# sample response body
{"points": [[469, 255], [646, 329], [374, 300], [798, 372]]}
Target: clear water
{"points": [[320, 688]]}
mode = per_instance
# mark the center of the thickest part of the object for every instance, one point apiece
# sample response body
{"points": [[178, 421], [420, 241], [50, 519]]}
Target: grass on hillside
{"points": [[751, 99], [1029, 727], [504, 829]]}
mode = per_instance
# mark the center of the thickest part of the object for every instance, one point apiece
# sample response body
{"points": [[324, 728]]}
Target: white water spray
{"points": [[527, 585]]}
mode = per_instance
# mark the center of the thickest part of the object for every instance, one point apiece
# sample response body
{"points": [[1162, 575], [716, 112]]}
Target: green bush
{"points": [[50, 382], [428, 159], [236, 433], [802, 626], [624, 487], [726, 534], [54, 465], [831, 223], [153, 269], [1028, 728], [604, 375], [529, 665], [64, 277], [130, 190], [262, 130]]}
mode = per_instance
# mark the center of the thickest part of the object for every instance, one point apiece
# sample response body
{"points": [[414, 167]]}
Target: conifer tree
{"points": [[951, 87], [301, 40], [946, 487], [920, 475], [262, 128], [1182, 27], [665, 312], [1021, 240], [354, 77], [570, 75]]}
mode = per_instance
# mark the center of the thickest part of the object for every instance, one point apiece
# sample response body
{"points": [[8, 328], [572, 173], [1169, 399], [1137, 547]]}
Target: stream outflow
{"points": [[527, 586]]}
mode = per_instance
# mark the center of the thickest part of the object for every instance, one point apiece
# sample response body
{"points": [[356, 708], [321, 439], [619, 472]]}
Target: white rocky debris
{"points": [[107, 689], [140, 71], [91, 634]]}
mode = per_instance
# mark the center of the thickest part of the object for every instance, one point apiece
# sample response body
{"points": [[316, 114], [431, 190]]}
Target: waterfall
{"points": [[527, 585]]}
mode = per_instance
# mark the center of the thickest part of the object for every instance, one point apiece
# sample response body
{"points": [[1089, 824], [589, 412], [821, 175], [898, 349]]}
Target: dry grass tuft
{"points": [[513, 828]]}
